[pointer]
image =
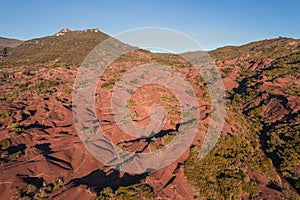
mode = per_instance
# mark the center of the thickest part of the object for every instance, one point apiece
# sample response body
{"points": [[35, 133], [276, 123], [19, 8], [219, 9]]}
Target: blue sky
{"points": [[212, 23]]}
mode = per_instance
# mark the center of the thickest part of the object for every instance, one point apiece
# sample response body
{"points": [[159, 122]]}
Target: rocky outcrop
{"points": [[66, 31], [63, 32]]}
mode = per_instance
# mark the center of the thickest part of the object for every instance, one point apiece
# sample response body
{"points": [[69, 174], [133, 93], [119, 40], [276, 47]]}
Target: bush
{"points": [[222, 173], [133, 192], [5, 143]]}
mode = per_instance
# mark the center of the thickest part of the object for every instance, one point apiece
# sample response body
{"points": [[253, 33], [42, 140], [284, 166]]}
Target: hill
{"points": [[7, 42], [64, 48], [256, 157], [263, 97]]}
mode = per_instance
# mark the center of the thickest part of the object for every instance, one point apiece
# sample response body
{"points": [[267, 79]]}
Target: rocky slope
{"points": [[262, 79], [257, 156]]}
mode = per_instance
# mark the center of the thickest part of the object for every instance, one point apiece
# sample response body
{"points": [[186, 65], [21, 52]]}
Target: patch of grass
{"points": [[5, 143], [222, 173], [67, 91], [133, 192], [32, 191], [66, 50], [284, 147], [5, 158], [108, 85], [4, 114], [226, 72]]}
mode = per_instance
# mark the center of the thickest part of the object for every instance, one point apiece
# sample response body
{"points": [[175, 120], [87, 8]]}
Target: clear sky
{"points": [[213, 23]]}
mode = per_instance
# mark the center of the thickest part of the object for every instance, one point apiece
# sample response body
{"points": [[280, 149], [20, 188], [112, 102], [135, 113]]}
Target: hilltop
{"points": [[64, 48], [256, 157]]}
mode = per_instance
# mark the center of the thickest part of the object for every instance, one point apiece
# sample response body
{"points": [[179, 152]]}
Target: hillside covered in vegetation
{"points": [[256, 157]]}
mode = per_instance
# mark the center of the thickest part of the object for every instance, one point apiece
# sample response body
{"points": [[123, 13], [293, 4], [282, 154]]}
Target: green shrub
{"points": [[133, 192], [5, 143], [222, 173]]}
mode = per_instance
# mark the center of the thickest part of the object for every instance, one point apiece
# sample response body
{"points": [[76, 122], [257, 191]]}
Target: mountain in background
{"points": [[7, 42], [256, 157]]}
